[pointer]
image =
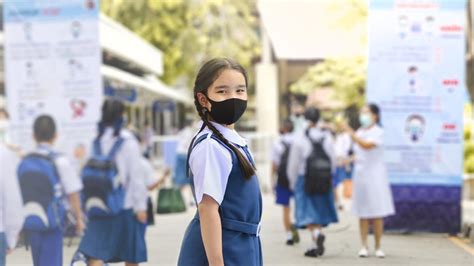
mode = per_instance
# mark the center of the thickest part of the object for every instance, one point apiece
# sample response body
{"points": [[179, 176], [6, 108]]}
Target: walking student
{"points": [[50, 186], [280, 153], [310, 168], [372, 196], [226, 227], [115, 194]]}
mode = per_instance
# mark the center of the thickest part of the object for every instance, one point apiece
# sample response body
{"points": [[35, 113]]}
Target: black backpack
{"points": [[282, 175], [318, 177]]}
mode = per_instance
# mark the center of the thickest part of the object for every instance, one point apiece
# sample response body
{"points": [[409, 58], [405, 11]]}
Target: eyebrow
{"points": [[227, 87]]}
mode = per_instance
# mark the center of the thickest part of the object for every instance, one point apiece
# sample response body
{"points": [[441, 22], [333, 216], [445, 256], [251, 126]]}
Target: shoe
{"points": [[313, 253], [320, 244], [379, 254], [296, 236], [290, 242], [363, 253]]}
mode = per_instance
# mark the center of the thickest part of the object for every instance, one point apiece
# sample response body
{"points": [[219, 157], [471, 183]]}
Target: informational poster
{"points": [[416, 73], [52, 66]]}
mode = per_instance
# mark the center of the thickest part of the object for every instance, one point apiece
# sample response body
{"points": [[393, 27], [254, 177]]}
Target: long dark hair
{"points": [[112, 116], [375, 110], [208, 73]]}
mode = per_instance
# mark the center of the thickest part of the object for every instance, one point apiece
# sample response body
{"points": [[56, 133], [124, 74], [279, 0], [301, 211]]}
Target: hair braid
{"points": [[247, 168]]}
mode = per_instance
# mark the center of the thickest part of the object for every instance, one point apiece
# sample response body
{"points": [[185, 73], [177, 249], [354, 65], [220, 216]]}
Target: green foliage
{"points": [[469, 165], [468, 149], [346, 76], [190, 32], [467, 133]]}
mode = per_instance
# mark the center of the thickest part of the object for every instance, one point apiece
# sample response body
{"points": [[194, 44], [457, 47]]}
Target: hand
{"points": [[348, 128], [80, 227], [9, 251], [142, 217], [167, 172]]}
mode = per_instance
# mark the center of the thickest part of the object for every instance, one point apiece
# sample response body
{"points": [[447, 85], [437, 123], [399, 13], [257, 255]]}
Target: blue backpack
{"points": [[42, 193], [103, 194]]}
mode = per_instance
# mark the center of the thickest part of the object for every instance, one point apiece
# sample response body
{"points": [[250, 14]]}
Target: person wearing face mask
{"points": [[372, 196], [226, 227]]}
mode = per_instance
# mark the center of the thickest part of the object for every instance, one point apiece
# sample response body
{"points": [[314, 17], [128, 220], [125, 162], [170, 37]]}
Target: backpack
{"points": [[42, 193], [282, 180], [318, 176], [103, 194]]}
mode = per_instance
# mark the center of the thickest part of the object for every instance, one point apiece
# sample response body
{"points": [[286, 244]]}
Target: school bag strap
{"points": [[199, 140], [113, 151], [314, 142]]}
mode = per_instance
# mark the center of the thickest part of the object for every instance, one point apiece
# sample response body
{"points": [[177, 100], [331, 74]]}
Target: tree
{"points": [[190, 31], [347, 76]]}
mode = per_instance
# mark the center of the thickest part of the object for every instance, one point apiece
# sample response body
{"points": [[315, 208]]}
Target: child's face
{"points": [[230, 84]]}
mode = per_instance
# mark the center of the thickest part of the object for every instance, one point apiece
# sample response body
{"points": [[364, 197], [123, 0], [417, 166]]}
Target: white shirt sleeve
{"points": [[210, 164], [375, 135], [68, 175], [135, 179], [13, 203], [148, 172], [295, 158]]}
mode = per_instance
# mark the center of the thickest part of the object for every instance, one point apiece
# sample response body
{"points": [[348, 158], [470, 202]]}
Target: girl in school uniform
{"points": [[313, 211], [280, 151], [372, 197], [119, 238], [226, 227]]}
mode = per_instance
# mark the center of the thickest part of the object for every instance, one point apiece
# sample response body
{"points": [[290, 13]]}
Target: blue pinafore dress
{"points": [[240, 211]]}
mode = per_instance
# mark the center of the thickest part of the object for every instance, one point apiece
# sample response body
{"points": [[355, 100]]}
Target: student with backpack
{"points": [[226, 227], [310, 166], [11, 215], [115, 194], [46, 179], [280, 152]]}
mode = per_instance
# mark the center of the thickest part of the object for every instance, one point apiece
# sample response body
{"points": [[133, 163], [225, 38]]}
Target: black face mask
{"points": [[227, 112]]}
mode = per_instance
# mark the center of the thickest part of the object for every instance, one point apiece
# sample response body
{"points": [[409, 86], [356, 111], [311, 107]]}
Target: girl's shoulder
{"points": [[207, 145]]}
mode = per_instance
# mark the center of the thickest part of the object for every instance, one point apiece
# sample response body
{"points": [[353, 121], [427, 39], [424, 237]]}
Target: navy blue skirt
{"points": [[115, 239], [313, 209]]}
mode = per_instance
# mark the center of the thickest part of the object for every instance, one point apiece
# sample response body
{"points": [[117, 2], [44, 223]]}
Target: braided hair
{"points": [[112, 116], [208, 73]]}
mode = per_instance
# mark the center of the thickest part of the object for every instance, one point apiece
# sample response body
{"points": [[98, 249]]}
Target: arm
{"points": [[367, 145], [75, 201], [211, 230], [160, 182], [294, 160], [136, 180]]}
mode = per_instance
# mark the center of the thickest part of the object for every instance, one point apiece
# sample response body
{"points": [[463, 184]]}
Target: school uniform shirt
{"points": [[278, 147], [372, 196], [11, 203], [128, 161], [211, 163], [302, 148], [67, 171], [342, 146]]}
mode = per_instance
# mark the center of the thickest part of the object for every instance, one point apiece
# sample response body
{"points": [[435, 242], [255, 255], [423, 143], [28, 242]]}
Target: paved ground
{"points": [[342, 245]]}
